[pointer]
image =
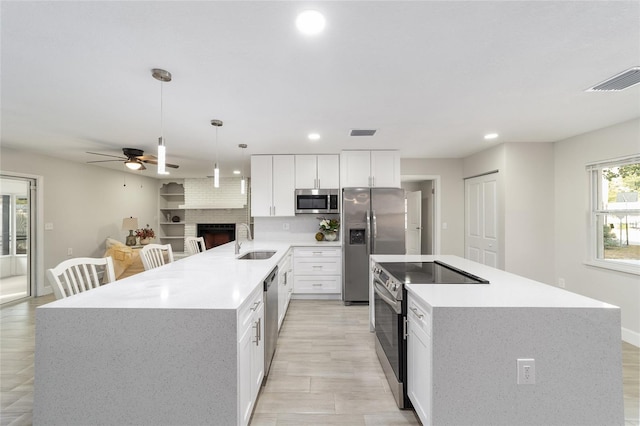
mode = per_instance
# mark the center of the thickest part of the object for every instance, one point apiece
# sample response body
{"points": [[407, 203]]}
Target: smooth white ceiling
{"points": [[432, 77]]}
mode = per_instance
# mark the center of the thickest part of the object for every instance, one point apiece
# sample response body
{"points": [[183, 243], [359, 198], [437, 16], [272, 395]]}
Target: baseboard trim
{"points": [[631, 337]]}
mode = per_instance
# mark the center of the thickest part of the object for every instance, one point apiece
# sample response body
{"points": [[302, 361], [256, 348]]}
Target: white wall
{"points": [[451, 197], [525, 190], [572, 221], [85, 204]]}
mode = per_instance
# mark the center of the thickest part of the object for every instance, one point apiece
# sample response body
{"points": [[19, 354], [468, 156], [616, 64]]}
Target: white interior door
{"points": [[481, 220], [413, 238]]}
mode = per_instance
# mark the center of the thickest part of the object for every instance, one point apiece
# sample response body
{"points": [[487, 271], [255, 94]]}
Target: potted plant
{"points": [[146, 235], [329, 228]]}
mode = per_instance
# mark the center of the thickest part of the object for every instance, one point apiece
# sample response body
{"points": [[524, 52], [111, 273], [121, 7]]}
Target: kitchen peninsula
{"points": [[161, 347]]}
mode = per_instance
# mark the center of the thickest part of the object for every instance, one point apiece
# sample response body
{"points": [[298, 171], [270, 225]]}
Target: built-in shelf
{"points": [[170, 204]]}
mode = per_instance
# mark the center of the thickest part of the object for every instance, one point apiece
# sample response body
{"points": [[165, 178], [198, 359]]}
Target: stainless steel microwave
{"points": [[317, 201]]}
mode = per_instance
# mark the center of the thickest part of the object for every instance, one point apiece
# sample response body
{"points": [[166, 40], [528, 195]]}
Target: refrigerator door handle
{"points": [[375, 231], [368, 235]]}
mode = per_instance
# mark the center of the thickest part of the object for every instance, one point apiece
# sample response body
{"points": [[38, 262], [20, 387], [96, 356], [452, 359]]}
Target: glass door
{"points": [[15, 233]]}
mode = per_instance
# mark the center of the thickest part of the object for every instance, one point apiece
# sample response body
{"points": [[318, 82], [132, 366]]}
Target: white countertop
{"points": [[214, 279], [505, 289]]}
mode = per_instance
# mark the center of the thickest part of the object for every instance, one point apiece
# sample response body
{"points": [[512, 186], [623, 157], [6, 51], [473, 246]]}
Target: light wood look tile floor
{"points": [[325, 370]]}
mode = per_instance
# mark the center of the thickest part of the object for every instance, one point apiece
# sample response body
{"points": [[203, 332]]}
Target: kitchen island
{"points": [[162, 347], [464, 342]]}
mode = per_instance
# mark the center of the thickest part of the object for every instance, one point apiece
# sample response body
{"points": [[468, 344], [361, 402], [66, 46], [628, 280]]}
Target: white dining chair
{"points": [[154, 255], [74, 276], [194, 245]]}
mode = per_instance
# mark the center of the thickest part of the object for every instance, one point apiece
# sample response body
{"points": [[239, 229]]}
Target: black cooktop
{"points": [[430, 273]]}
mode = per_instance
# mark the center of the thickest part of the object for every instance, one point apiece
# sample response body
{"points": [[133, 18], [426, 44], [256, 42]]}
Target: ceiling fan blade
{"points": [[107, 155], [174, 166], [154, 161], [102, 161], [147, 158], [142, 168]]}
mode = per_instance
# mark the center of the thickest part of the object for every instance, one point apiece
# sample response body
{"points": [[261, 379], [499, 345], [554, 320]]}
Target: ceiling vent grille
{"points": [[618, 82], [362, 132]]}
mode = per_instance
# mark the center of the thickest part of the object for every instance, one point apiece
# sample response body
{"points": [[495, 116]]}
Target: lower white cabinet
{"points": [[419, 358], [285, 286], [318, 270], [250, 353]]}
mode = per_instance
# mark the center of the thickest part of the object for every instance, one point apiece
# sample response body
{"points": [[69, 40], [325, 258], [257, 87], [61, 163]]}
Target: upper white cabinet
{"points": [[272, 185], [370, 169], [317, 171]]}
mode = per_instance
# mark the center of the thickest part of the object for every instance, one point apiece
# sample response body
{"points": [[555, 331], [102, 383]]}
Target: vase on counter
{"points": [[330, 235]]}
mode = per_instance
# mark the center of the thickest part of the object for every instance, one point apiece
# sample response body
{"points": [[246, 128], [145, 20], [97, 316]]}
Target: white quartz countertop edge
{"points": [[504, 290], [215, 279]]}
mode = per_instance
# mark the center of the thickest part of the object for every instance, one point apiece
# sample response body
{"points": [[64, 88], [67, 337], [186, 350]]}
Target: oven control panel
{"points": [[382, 277]]}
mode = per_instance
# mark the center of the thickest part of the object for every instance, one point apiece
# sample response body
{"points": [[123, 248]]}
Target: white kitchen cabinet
{"points": [[419, 357], [317, 171], [318, 270], [370, 169], [272, 185], [285, 286], [250, 353]]}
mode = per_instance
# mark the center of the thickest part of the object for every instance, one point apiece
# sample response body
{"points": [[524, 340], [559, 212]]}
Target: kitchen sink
{"points": [[257, 255]]}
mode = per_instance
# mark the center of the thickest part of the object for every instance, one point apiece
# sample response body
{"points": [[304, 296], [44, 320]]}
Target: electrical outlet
{"points": [[48, 226], [69, 251], [285, 226], [526, 371], [561, 283]]}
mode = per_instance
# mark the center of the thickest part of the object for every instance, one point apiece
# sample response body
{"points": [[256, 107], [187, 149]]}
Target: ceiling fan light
{"points": [[133, 164]]}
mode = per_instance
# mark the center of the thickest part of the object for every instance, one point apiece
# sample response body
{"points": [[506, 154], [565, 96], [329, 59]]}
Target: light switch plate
{"points": [[526, 371]]}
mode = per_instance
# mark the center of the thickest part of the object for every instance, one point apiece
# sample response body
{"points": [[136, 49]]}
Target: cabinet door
{"points": [[283, 185], [419, 377], [385, 169], [328, 171], [245, 400], [306, 172], [355, 168], [261, 185], [257, 354]]}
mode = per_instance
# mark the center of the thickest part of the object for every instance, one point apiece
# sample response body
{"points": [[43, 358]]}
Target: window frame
{"points": [[597, 210]]}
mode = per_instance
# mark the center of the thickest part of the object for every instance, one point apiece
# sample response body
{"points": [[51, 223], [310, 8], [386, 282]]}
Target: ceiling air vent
{"points": [[618, 82], [362, 132]]}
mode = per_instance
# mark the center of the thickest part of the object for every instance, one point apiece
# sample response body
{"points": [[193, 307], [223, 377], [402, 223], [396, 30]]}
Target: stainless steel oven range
{"points": [[390, 309]]}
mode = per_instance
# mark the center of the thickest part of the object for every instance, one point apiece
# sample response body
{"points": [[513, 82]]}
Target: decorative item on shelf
{"points": [[145, 235], [175, 219], [130, 223], [319, 236], [329, 228]]}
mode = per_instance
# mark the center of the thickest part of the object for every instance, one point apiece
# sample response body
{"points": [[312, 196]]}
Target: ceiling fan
{"points": [[133, 159]]}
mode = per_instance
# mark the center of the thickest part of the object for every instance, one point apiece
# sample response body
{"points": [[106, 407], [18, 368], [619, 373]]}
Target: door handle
{"points": [[415, 311], [368, 236], [375, 231]]}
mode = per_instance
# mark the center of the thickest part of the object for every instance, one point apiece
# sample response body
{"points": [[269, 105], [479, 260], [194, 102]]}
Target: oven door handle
{"points": [[380, 291]]}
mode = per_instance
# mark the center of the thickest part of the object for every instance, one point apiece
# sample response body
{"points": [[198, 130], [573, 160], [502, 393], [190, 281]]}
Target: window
{"points": [[615, 214]]}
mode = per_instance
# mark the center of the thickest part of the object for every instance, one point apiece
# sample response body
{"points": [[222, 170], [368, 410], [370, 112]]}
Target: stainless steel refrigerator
{"points": [[372, 223]]}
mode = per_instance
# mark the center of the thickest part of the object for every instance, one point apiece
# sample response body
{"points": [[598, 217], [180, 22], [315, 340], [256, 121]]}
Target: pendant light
{"points": [[216, 171], [162, 76], [243, 182]]}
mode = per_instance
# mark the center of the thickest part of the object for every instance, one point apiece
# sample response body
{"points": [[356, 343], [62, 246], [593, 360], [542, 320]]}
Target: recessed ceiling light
{"points": [[310, 22], [490, 136], [313, 136], [236, 172]]}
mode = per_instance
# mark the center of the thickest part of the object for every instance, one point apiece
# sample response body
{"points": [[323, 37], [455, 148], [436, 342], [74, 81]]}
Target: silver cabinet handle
{"points": [[256, 325], [317, 285], [316, 266], [255, 305], [415, 311], [259, 327]]}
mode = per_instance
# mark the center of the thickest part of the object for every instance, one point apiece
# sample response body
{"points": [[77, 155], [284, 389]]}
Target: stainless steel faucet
{"points": [[238, 225]]}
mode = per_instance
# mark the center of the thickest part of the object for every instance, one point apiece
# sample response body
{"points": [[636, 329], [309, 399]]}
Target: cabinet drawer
{"points": [[313, 252], [245, 313], [419, 314], [329, 266], [311, 284]]}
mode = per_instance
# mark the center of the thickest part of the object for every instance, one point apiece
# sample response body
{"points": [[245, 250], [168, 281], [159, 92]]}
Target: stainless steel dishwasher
{"points": [[270, 318]]}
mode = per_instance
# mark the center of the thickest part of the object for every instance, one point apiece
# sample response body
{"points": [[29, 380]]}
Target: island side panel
{"points": [[135, 366], [577, 354]]}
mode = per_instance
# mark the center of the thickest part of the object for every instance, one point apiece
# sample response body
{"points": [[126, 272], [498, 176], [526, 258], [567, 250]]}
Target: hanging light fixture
{"points": [[216, 171], [162, 76], [243, 182]]}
